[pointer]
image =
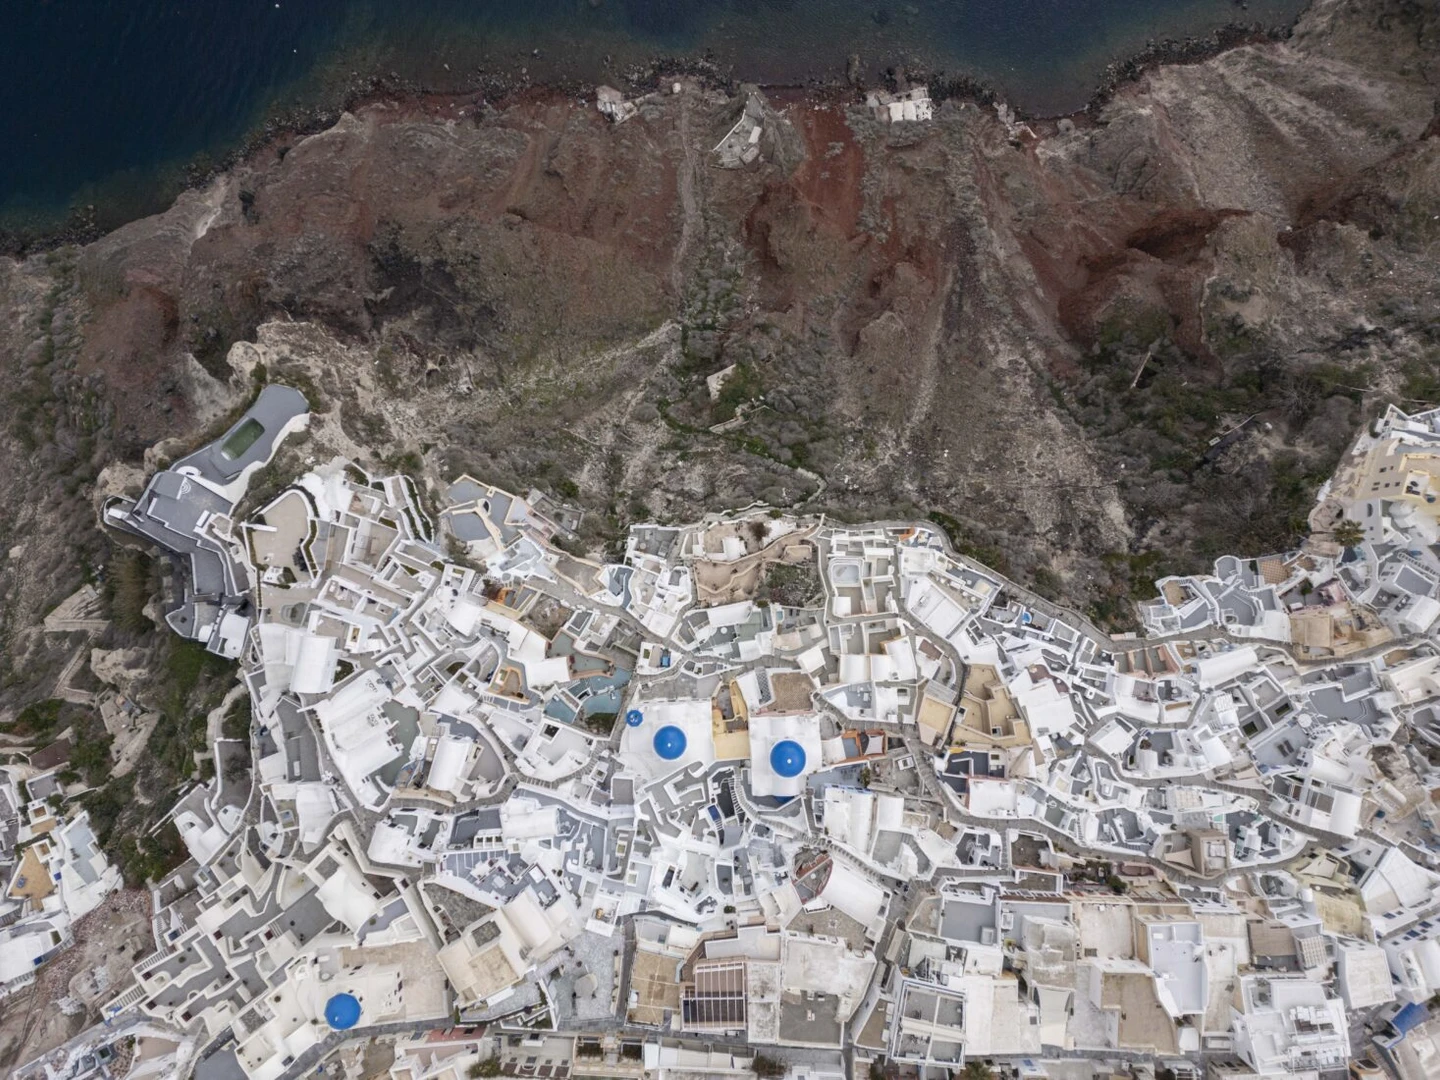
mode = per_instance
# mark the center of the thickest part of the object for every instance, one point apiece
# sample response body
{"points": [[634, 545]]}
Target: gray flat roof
{"points": [[275, 407], [221, 1065], [963, 920], [173, 504]]}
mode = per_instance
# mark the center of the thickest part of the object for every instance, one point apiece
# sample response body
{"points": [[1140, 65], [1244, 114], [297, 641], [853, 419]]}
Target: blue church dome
{"points": [[670, 742], [787, 758], [342, 1011]]}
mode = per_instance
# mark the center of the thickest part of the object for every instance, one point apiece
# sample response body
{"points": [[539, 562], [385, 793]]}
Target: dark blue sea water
{"points": [[104, 101]]}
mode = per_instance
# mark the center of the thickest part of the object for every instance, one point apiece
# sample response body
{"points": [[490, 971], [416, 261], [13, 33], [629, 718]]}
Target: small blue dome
{"points": [[634, 717], [342, 1011], [669, 742], [787, 758]]}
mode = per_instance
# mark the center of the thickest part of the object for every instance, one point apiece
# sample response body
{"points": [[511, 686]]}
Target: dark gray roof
{"points": [[467, 527], [273, 409], [174, 503], [464, 491]]}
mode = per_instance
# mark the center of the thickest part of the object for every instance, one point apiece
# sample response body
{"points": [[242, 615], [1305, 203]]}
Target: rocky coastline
{"points": [[284, 125]]}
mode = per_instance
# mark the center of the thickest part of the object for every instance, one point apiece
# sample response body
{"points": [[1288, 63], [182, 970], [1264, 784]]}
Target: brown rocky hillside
{"points": [[1036, 331]]}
